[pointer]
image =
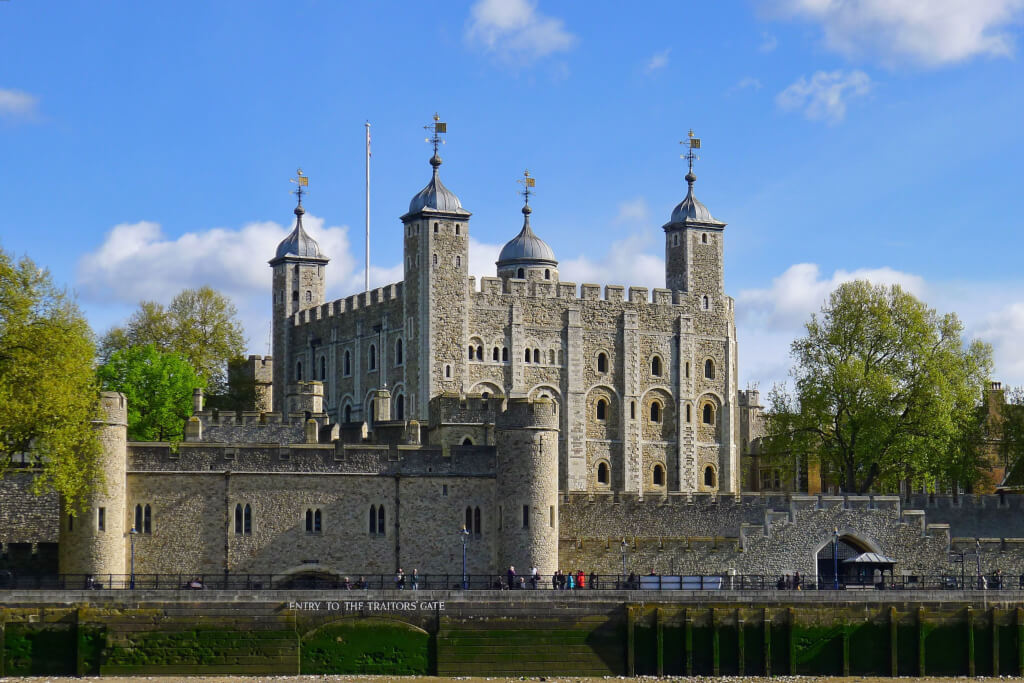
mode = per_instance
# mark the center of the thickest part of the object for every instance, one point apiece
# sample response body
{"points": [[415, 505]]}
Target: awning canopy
{"points": [[870, 558]]}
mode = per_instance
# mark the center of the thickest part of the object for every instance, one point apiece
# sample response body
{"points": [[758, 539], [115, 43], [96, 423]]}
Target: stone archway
{"points": [[847, 547]]}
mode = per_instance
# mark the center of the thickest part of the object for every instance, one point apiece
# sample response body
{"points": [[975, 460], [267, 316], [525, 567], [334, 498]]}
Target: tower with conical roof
{"points": [[298, 284], [693, 242], [436, 288]]}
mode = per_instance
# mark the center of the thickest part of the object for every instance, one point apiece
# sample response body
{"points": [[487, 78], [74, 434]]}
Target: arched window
{"points": [[602, 408], [309, 296], [458, 229], [317, 521], [632, 410], [470, 352], [709, 476], [323, 367], [494, 354], [551, 356], [709, 368], [309, 521], [504, 354], [659, 475], [435, 259], [602, 473], [398, 352], [655, 411], [247, 520], [458, 261], [467, 441], [381, 529], [238, 519], [687, 413], [479, 353], [477, 528], [469, 519], [687, 370], [704, 238], [602, 362], [705, 303], [709, 414], [521, 274], [138, 518], [447, 371], [526, 356], [547, 274], [436, 228], [147, 519], [656, 366], [373, 357], [298, 371], [536, 355], [373, 519], [348, 413], [348, 364]]}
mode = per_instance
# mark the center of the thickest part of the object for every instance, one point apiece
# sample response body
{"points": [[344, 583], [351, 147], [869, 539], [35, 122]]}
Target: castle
{"points": [[535, 422]]}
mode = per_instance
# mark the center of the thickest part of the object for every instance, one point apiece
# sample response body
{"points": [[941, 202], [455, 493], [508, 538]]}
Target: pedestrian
{"points": [[593, 580], [415, 579], [631, 582], [781, 583], [571, 581], [789, 582], [561, 580], [511, 576], [554, 579], [400, 579], [581, 579], [997, 580], [534, 577], [796, 581]]}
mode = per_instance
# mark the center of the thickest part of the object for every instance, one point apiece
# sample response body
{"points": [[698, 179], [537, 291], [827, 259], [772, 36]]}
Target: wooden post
{"points": [[659, 620], [3, 622], [1020, 641], [766, 619], [970, 642], [688, 636], [791, 640], [995, 641], [846, 649], [894, 644], [741, 650], [630, 644], [715, 649], [920, 642]]}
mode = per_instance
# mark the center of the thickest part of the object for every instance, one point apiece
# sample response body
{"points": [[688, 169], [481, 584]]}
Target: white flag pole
{"points": [[367, 206]]}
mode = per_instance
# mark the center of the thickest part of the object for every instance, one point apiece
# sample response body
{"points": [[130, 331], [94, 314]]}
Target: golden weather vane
{"points": [[692, 143], [436, 130], [301, 181], [528, 183]]}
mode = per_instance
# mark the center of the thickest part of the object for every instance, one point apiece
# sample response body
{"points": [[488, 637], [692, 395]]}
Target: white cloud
{"points": [[925, 32], [627, 262], [768, 43], [748, 82], [658, 61], [15, 104], [515, 31], [632, 212], [136, 262], [825, 95]]}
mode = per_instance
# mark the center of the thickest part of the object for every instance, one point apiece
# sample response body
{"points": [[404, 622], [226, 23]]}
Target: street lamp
{"points": [[465, 540], [623, 548], [977, 556], [131, 578], [835, 559]]}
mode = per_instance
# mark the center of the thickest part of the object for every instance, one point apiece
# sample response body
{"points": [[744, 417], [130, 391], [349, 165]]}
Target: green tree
{"points": [[199, 324], [158, 386], [885, 390], [48, 392]]}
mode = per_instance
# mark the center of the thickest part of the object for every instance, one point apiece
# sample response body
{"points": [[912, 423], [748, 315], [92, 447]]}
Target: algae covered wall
{"points": [[510, 633]]}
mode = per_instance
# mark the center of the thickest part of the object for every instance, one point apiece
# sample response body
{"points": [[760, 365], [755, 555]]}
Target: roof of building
{"points": [[691, 209], [298, 242], [526, 246], [435, 196]]}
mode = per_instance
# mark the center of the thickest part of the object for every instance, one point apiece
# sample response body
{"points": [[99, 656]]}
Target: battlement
{"points": [[525, 413], [115, 408], [570, 291], [349, 304]]}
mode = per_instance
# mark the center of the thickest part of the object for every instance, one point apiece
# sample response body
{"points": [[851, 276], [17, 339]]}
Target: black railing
{"points": [[10, 579]]}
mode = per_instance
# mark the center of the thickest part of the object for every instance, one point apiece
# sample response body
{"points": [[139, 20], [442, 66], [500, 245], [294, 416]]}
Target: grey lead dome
{"points": [[691, 209], [526, 247], [435, 196], [298, 242]]}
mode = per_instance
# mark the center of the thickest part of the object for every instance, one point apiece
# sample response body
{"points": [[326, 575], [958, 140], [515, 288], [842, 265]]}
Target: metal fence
{"points": [[716, 582]]}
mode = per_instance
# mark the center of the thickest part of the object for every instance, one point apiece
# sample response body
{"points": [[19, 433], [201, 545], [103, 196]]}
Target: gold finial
{"points": [[691, 143], [301, 181], [436, 130]]}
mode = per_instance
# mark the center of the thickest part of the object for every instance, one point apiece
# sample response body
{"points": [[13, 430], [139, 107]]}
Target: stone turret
{"points": [[527, 485], [94, 541]]}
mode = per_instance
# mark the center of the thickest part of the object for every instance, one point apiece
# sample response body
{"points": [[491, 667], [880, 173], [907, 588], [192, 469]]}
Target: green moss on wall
{"points": [[199, 647], [869, 649], [39, 651], [819, 650], [367, 647], [946, 649]]}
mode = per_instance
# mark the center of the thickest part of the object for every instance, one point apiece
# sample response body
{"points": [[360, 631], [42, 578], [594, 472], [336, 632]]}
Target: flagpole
{"points": [[367, 206]]}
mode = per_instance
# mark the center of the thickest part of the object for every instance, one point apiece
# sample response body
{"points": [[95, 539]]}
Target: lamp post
{"points": [[623, 548], [977, 557], [131, 577], [835, 559], [465, 539]]}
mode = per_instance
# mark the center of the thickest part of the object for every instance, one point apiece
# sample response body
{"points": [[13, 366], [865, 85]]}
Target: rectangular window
{"points": [[101, 519], [526, 516], [551, 516], [444, 489]]}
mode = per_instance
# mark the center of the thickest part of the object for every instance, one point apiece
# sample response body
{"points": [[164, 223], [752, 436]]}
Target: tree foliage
{"points": [[885, 390], [199, 324], [48, 392], [158, 386]]}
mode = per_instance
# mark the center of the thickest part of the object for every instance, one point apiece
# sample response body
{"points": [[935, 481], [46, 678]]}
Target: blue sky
{"points": [[146, 147]]}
